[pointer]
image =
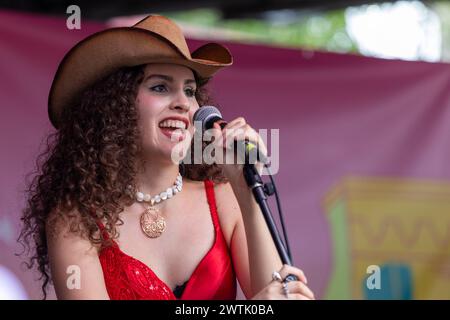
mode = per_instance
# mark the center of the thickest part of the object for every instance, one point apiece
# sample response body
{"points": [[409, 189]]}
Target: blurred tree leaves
{"points": [[442, 9], [318, 31], [290, 28]]}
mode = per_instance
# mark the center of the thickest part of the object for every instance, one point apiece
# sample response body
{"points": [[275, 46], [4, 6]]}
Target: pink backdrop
{"points": [[338, 115]]}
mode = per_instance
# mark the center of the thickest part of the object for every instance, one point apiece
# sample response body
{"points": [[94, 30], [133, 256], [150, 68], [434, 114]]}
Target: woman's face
{"points": [[166, 104]]}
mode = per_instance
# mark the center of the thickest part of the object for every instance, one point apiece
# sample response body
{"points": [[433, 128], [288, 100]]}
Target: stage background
{"points": [[364, 172]]}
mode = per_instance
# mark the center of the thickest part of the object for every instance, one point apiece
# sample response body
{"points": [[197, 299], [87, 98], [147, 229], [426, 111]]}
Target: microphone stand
{"points": [[260, 192]]}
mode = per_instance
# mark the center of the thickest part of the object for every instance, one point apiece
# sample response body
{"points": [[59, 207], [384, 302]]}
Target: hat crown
{"points": [[167, 29], [154, 39]]}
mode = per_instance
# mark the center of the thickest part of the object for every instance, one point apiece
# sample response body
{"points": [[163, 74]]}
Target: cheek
{"points": [[147, 110], [148, 107]]}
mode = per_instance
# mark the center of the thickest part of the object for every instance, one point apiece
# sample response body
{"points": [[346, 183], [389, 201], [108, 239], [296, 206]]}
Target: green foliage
{"points": [[309, 30], [318, 31], [442, 9]]}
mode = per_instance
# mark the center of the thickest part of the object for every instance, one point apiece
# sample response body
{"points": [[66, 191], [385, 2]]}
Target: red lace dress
{"points": [[127, 278]]}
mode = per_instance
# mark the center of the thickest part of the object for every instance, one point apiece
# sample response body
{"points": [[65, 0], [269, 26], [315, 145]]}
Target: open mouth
{"points": [[173, 129]]}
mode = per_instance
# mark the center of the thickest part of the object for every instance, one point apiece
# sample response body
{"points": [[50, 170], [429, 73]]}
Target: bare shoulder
{"points": [[227, 208], [225, 196], [58, 226], [66, 227], [71, 253]]}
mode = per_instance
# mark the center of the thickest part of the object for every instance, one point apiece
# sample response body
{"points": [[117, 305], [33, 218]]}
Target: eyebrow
{"points": [[167, 78]]}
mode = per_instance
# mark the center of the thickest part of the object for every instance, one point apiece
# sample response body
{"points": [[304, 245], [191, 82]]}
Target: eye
{"points": [[190, 92], [159, 88]]}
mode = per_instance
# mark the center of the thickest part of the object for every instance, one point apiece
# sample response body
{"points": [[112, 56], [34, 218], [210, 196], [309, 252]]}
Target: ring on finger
{"points": [[276, 276], [285, 289]]}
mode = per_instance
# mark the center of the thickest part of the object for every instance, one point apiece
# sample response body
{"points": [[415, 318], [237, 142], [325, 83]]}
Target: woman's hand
{"points": [[236, 130], [296, 290]]}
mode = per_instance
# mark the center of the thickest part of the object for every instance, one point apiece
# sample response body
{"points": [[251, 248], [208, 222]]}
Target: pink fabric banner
{"points": [[364, 173]]}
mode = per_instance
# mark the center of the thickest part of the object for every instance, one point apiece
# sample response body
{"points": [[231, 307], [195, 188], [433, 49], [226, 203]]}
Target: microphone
{"points": [[209, 115]]}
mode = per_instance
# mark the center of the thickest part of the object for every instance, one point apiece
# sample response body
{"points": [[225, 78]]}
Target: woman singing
{"points": [[112, 207]]}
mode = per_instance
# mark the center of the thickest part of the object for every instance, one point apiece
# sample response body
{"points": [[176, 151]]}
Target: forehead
{"points": [[173, 70]]}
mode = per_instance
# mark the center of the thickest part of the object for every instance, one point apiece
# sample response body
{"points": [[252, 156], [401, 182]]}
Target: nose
{"points": [[181, 103]]}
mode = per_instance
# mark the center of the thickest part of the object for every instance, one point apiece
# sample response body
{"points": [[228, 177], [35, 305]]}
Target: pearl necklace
{"points": [[152, 223]]}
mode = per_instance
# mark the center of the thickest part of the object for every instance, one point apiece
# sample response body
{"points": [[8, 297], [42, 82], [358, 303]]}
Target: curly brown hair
{"points": [[82, 173]]}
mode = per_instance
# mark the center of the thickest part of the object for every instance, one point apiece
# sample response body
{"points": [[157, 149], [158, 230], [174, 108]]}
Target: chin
{"points": [[166, 153]]}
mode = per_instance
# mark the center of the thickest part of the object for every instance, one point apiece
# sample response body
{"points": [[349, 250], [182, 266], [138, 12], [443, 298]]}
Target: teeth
{"points": [[177, 124]]}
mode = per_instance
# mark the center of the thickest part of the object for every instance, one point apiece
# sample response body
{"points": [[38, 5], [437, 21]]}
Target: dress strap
{"points": [[102, 228], [209, 188]]}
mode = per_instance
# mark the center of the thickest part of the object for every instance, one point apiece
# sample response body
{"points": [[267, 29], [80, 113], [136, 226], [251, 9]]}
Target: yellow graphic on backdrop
{"points": [[400, 225]]}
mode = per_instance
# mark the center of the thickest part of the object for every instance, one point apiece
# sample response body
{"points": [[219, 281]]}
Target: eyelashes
{"points": [[160, 88]]}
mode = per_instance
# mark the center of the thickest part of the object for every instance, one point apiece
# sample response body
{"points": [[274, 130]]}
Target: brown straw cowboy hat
{"points": [[155, 39]]}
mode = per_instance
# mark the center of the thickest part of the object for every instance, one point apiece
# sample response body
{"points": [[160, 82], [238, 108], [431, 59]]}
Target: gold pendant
{"points": [[152, 224]]}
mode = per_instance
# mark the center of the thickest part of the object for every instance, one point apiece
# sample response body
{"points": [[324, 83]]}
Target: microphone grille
{"points": [[205, 113]]}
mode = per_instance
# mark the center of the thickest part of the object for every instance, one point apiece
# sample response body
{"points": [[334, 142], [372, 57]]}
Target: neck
{"points": [[154, 178]]}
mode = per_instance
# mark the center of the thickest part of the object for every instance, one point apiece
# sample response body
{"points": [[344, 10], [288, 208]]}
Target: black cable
{"points": [[280, 213]]}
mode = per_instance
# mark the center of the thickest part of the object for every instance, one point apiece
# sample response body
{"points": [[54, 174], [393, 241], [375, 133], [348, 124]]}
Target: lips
{"points": [[174, 122], [176, 135], [174, 127]]}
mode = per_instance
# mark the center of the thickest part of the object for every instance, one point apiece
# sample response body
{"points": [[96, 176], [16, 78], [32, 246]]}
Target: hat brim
{"points": [[107, 51]]}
